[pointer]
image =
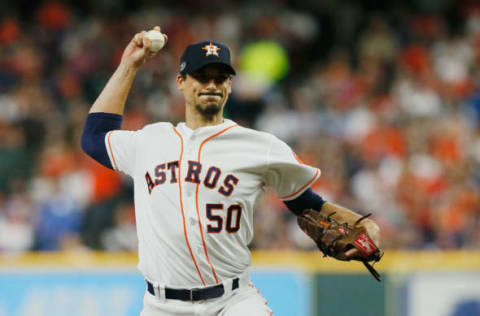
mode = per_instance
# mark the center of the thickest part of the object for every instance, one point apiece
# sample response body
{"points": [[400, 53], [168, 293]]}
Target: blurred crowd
{"points": [[385, 101]]}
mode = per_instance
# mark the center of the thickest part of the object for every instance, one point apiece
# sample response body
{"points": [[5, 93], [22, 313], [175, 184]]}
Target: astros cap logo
{"points": [[211, 49]]}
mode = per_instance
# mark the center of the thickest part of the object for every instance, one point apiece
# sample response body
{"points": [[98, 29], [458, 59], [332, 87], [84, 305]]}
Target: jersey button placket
{"points": [[190, 155], [200, 252], [189, 189]]}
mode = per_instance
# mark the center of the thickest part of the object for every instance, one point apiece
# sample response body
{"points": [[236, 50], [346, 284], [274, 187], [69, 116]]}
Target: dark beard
{"points": [[208, 111]]}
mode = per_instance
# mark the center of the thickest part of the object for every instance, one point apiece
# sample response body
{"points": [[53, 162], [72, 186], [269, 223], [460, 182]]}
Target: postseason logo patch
{"points": [[183, 65]]}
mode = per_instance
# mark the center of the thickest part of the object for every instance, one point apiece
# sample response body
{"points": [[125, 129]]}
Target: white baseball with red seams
{"points": [[157, 39], [195, 198]]}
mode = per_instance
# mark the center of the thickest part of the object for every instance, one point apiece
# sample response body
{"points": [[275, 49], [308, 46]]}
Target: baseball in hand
{"points": [[157, 39]]}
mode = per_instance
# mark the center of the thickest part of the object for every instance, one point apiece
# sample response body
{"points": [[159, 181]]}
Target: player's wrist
{"points": [[128, 68]]}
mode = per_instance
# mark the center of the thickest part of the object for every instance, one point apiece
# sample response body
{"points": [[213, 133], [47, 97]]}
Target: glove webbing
{"points": [[367, 265]]}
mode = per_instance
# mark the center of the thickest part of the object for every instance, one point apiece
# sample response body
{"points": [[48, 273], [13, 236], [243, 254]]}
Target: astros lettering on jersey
{"points": [[195, 197]]}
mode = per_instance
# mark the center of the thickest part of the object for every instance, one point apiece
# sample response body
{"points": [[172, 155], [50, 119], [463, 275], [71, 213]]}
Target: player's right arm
{"points": [[113, 97], [105, 115]]}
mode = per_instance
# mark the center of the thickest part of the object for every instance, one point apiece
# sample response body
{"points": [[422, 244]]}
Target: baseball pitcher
{"points": [[196, 185]]}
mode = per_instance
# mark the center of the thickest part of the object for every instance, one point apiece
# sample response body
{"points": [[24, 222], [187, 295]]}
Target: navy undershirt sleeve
{"points": [[306, 200], [96, 127]]}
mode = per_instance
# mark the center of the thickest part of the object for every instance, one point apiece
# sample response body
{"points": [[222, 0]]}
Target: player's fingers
{"points": [[166, 38], [147, 43], [138, 39], [352, 253]]}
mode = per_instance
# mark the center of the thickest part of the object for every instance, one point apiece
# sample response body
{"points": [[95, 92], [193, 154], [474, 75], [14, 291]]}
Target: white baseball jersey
{"points": [[195, 193]]}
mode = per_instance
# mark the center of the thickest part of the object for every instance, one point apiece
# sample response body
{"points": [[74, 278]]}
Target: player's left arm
{"points": [[291, 179]]}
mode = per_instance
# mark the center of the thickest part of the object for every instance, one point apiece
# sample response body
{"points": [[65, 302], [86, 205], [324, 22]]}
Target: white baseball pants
{"points": [[245, 300]]}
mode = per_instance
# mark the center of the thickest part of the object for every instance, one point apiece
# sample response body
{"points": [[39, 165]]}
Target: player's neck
{"points": [[194, 120]]}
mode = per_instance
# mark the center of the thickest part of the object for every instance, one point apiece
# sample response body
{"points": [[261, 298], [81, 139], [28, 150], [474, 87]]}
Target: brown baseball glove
{"points": [[335, 239]]}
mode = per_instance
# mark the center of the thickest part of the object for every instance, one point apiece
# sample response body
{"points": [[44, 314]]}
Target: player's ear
{"points": [[180, 81], [229, 90]]}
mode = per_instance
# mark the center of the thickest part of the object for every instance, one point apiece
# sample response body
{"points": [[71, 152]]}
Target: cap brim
{"points": [[226, 67]]}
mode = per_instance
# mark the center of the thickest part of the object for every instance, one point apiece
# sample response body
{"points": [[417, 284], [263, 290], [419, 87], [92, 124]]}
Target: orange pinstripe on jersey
{"points": [[111, 151], [303, 187], [181, 205], [196, 199]]}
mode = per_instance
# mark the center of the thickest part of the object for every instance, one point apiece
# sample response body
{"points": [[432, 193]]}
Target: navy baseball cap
{"points": [[205, 53]]}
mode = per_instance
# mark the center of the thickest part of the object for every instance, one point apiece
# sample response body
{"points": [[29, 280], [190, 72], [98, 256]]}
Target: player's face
{"points": [[207, 89]]}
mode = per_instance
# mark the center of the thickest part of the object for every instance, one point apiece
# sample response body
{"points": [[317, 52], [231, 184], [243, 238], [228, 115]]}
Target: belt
{"points": [[194, 294]]}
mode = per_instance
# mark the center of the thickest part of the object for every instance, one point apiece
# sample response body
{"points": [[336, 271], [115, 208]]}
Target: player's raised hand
{"points": [[140, 50]]}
